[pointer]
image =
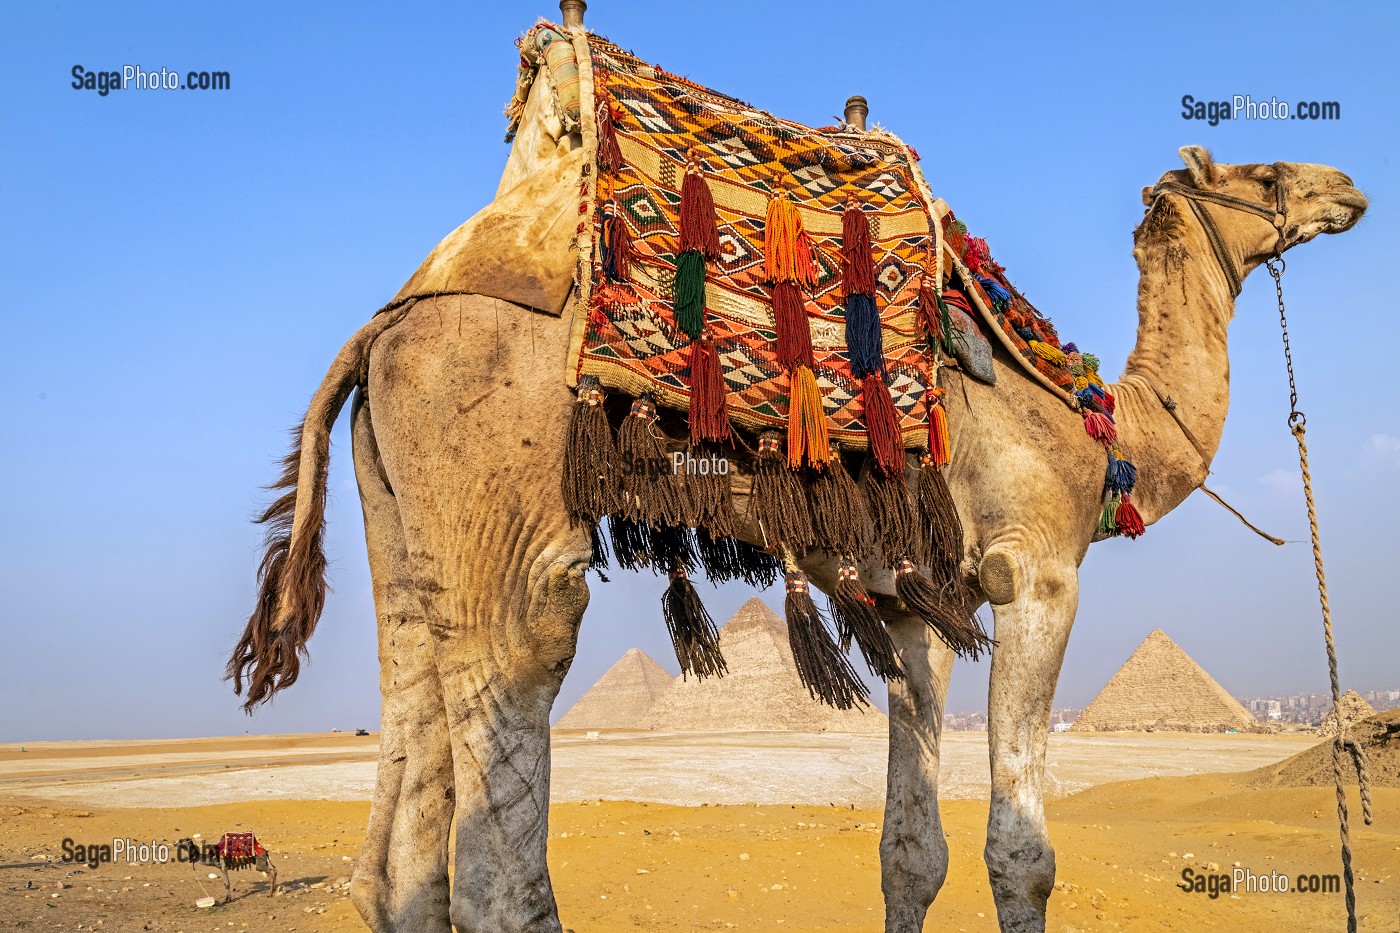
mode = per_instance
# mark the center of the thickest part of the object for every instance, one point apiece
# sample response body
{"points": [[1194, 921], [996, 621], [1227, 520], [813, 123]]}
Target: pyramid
{"points": [[1160, 689], [761, 692], [1354, 709], [622, 697]]}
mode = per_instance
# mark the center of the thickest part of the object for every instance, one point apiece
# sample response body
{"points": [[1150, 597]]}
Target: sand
{"points": [[619, 865]]}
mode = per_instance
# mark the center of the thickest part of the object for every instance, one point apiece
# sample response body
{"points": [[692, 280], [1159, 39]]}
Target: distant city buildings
{"points": [[1302, 709]]}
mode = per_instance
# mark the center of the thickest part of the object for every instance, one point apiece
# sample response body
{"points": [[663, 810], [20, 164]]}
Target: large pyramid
{"points": [[1160, 689], [622, 697], [761, 692]]}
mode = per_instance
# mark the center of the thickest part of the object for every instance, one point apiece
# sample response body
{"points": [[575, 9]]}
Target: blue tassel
{"points": [[863, 336], [1093, 401], [1000, 296], [1026, 334], [1122, 475]]}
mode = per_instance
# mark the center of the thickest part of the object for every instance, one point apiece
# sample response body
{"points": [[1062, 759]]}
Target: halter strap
{"points": [[1277, 215]]}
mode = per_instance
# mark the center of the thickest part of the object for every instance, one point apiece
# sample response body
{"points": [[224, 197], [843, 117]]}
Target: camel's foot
{"points": [[1021, 866]]}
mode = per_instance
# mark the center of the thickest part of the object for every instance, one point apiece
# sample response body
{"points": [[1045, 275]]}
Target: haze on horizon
{"points": [[177, 271]]}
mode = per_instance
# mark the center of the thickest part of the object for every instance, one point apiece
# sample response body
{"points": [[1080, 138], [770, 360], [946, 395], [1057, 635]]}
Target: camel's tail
{"points": [[292, 575]]}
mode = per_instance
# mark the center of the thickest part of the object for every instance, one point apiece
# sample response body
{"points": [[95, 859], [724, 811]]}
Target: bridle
{"points": [[1276, 215]]}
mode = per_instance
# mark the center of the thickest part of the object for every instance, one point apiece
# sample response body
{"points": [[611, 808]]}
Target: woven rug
{"points": [[631, 341]]}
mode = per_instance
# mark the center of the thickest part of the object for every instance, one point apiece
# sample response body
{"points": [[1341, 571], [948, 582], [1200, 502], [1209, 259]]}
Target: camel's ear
{"points": [[1147, 195], [1199, 164]]}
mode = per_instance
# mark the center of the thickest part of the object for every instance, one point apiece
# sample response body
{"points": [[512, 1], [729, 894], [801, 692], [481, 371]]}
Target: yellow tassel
{"points": [[1048, 353], [1080, 383], [1094, 378], [807, 438], [787, 249], [939, 444]]}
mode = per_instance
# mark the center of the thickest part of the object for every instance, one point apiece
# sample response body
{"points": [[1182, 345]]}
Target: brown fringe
{"points": [[709, 503], [948, 616], [631, 542], [853, 611], [892, 516], [839, 520], [692, 630], [650, 489], [942, 537], [590, 457], [823, 669], [776, 499], [881, 424], [727, 559]]}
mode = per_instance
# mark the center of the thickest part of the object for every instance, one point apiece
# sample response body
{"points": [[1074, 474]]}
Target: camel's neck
{"points": [[1184, 310]]}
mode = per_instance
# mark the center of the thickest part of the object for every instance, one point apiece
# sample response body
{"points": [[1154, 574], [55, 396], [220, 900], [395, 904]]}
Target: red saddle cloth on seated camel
{"points": [[239, 846]]}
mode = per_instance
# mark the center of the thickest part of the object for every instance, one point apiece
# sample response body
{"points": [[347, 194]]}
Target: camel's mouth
{"points": [[1345, 210]]}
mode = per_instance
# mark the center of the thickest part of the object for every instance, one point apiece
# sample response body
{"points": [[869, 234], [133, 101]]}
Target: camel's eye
{"points": [[1267, 183]]}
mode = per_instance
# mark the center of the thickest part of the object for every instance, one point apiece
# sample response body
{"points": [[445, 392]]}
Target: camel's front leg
{"points": [[400, 881], [913, 852], [500, 676], [1031, 631]]}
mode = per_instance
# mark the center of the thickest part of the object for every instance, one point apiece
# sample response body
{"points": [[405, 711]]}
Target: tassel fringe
{"points": [[857, 252], [853, 611], [590, 457], [699, 229], [794, 332], [838, 512], [709, 419], [688, 288], [882, 425], [776, 500], [949, 618], [650, 489], [823, 669], [787, 249], [942, 529], [807, 438], [896, 530], [693, 632], [616, 243]]}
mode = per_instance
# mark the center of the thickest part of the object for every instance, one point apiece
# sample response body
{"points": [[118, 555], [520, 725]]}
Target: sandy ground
{"points": [[1121, 845], [683, 769]]}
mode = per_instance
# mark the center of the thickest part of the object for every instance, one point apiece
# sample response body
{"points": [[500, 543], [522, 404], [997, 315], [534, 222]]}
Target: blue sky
{"points": [[178, 268]]}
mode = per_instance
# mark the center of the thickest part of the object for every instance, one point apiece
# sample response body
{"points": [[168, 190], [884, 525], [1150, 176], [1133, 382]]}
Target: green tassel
{"points": [[945, 325], [689, 290], [1108, 518]]}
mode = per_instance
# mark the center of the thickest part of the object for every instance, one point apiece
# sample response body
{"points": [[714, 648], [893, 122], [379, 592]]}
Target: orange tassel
{"points": [[807, 441], [788, 255], [940, 447]]}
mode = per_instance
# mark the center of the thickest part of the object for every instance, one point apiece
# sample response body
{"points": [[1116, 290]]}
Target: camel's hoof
{"points": [[999, 576]]}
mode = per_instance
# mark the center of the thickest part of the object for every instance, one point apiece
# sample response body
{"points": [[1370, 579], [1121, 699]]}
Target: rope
{"points": [[1343, 744]]}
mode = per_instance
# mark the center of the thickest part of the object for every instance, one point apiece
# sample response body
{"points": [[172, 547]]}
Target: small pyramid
{"points": [[622, 697], [1354, 709], [761, 691], [1161, 689]]}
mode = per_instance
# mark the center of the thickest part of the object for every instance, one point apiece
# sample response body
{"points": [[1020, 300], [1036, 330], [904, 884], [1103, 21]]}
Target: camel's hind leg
{"points": [[913, 852], [471, 414], [1031, 632], [400, 880]]}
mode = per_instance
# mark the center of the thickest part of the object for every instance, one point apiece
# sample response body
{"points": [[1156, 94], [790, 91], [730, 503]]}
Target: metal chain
{"points": [[1343, 746]]}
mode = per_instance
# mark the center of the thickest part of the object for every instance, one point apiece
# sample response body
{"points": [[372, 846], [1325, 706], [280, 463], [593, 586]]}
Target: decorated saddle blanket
{"points": [[755, 271], [237, 846]]}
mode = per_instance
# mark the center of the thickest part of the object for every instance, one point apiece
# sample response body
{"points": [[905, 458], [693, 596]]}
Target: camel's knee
{"points": [[560, 598], [999, 574]]}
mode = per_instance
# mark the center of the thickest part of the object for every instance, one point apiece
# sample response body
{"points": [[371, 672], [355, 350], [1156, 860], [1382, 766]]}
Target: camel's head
{"points": [[1314, 199]]}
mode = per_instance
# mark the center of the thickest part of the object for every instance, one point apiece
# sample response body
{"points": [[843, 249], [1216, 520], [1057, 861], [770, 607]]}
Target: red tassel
{"points": [[1100, 428], [1109, 402], [928, 311], [882, 425], [609, 152], [857, 253], [698, 224], [1129, 520], [939, 445], [794, 333], [709, 420]]}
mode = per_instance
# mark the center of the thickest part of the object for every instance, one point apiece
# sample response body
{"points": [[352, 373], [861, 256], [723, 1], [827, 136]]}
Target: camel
{"points": [[218, 856], [459, 418]]}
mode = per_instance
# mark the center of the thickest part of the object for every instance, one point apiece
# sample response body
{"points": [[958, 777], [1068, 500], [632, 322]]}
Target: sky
{"points": [[178, 268]]}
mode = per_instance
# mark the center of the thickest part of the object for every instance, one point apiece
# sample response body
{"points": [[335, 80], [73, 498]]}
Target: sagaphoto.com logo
{"points": [[134, 77], [1245, 107]]}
